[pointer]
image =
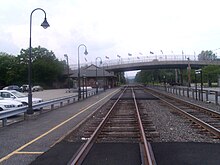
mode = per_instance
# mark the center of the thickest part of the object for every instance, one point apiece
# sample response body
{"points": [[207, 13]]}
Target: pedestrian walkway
{"points": [[22, 142]]}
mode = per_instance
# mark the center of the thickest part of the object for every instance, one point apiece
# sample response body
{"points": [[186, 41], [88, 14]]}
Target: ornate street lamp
{"points": [[96, 83], [79, 88], [44, 25]]}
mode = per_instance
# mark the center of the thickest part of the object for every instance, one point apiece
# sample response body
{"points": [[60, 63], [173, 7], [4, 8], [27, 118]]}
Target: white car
{"points": [[9, 104], [18, 96]]}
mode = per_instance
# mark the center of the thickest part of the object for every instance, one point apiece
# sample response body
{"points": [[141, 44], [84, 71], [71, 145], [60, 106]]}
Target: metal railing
{"points": [[4, 115], [205, 95]]}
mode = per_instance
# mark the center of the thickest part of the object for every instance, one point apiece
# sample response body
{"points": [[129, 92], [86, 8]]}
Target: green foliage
{"points": [[157, 75], [46, 68], [8, 66], [211, 73], [207, 55]]}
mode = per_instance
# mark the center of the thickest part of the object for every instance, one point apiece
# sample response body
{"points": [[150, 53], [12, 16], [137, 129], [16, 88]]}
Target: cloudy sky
{"points": [[111, 27]]}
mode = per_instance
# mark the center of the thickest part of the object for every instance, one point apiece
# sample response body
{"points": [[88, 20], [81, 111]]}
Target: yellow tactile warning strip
{"points": [[18, 151]]}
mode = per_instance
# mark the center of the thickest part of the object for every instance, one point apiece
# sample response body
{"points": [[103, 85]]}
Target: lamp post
{"points": [[196, 83], [189, 70], [201, 85], [199, 71], [44, 25], [79, 88], [68, 71], [104, 79], [96, 83], [84, 85]]}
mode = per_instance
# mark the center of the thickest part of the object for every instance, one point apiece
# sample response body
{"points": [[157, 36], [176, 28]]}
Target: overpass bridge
{"points": [[156, 64], [145, 62]]}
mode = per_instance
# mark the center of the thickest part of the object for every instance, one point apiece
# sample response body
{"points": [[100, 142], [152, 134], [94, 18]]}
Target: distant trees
{"points": [[156, 75], [46, 68], [211, 74], [207, 55]]}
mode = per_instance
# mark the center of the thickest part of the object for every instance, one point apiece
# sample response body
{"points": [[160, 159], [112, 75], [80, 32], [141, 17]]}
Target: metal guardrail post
{"points": [[4, 122], [187, 90], [199, 93], [193, 94], [207, 95], [216, 97]]}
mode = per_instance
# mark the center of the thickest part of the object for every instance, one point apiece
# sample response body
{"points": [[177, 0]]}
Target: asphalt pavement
{"points": [[23, 142]]}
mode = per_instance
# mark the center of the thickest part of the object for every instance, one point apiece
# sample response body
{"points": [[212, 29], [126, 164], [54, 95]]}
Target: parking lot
{"points": [[52, 94]]}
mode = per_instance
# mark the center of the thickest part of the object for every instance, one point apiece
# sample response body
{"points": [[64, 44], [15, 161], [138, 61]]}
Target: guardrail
{"points": [[4, 115], [201, 95]]}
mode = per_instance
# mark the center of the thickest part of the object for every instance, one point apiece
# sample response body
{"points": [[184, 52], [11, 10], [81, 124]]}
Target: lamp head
{"points": [[86, 52], [45, 24]]}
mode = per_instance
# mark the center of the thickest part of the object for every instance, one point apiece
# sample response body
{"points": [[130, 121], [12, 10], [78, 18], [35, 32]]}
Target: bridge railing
{"points": [[142, 58], [59, 102]]}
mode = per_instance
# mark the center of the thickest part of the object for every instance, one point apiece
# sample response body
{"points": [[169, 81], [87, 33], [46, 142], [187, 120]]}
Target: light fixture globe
{"points": [[86, 52], [45, 24]]}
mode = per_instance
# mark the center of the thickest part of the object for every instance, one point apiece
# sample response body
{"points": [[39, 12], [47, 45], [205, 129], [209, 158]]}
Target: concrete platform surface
{"points": [[101, 154], [186, 153]]}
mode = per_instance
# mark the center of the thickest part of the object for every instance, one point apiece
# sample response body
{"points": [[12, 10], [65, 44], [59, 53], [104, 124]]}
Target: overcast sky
{"points": [[111, 27]]}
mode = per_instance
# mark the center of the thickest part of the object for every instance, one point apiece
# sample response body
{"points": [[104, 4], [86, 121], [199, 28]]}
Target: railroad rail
{"points": [[205, 118], [122, 121]]}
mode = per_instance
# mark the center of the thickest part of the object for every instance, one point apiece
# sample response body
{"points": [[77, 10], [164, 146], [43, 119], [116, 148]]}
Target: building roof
{"points": [[90, 71]]}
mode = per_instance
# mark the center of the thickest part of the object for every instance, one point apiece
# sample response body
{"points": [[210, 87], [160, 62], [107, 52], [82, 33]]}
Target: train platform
{"points": [[23, 142], [186, 153]]}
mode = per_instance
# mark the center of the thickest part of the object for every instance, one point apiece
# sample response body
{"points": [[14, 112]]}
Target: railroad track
{"points": [[207, 120], [122, 123]]}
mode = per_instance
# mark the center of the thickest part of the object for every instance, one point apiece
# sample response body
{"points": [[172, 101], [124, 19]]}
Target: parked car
{"points": [[37, 88], [18, 96], [24, 88], [9, 104], [12, 87]]}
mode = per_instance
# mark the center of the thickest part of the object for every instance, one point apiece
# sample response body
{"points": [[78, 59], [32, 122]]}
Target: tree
{"points": [[211, 73], [8, 69], [46, 68], [157, 75], [207, 55]]}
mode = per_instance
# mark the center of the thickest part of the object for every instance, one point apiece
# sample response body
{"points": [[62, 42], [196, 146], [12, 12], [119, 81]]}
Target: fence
{"points": [[201, 95]]}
